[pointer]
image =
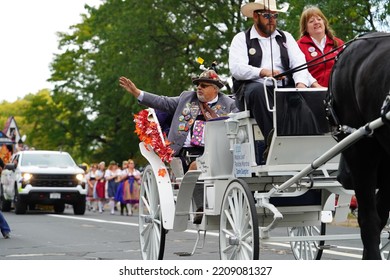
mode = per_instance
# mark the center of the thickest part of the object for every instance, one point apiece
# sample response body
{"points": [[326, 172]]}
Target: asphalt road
{"points": [[42, 235]]}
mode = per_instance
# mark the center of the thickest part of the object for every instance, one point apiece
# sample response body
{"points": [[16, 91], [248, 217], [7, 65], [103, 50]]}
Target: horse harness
{"points": [[341, 131]]}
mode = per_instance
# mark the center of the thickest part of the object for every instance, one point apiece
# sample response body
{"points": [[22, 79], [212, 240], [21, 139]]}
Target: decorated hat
{"points": [[113, 162], [270, 5], [208, 76]]}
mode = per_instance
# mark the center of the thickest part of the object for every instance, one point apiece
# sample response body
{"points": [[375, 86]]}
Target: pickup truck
{"points": [[42, 178]]}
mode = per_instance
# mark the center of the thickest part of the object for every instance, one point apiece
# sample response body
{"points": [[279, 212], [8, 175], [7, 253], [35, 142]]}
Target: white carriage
{"points": [[243, 199]]}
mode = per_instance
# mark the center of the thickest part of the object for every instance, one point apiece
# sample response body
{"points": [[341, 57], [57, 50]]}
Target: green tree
{"points": [[153, 42], [17, 110], [347, 18], [156, 43]]}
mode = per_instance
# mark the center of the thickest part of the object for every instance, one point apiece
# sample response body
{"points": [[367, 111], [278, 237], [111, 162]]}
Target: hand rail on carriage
{"points": [[274, 81]]}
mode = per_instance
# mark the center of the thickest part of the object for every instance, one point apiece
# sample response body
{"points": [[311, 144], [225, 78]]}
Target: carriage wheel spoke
{"points": [[238, 236], [230, 220], [306, 249]]}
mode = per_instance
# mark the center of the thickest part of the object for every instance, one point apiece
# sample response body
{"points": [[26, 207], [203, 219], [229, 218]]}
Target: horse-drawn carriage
{"points": [[246, 196]]}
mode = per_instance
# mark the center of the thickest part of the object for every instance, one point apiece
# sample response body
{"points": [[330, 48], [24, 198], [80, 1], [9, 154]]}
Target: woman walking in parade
{"points": [[128, 190]]}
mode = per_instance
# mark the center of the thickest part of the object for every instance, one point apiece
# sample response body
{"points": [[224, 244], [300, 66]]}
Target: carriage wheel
{"points": [[307, 250], [151, 230], [239, 231]]}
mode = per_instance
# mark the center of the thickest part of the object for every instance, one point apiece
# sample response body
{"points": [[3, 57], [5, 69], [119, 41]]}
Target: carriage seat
{"points": [[215, 147], [302, 131], [301, 111]]}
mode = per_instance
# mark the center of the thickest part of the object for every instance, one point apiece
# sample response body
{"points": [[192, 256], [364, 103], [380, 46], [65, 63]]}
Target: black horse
{"points": [[360, 82]]}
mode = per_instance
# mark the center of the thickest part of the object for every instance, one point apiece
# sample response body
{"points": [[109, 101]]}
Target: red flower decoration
{"points": [[213, 76], [149, 133], [162, 172]]}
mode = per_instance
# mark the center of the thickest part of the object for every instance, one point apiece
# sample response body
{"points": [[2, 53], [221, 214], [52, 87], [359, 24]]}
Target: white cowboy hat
{"points": [[248, 8]]}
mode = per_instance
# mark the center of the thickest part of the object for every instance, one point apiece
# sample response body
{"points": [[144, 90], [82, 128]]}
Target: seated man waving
{"points": [[188, 110]]}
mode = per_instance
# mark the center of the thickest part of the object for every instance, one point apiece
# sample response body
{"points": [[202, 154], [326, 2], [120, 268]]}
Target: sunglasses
{"points": [[268, 15], [204, 85]]}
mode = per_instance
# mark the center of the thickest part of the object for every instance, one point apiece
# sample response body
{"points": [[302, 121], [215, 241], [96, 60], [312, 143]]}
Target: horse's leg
{"points": [[369, 222], [383, 194], [362, 159]]}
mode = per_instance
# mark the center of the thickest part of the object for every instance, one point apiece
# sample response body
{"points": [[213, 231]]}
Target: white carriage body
{"points": [[231, 153]]}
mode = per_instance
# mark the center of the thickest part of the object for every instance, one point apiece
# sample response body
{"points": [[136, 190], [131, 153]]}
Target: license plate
{"points": [[55, 195]]}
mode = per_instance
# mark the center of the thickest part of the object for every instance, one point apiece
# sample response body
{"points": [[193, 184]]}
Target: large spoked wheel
{"points": [[239, 230], [151, 230], [307, 250]]}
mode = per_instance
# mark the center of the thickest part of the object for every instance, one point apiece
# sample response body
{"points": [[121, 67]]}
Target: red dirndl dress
{"points": [[100, 189]]}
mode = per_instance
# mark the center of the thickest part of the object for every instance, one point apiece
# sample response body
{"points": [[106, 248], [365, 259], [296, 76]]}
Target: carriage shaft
{"points": [[334, 151]]}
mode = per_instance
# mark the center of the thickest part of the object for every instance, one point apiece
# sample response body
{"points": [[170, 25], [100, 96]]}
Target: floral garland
{"points": [[148, 132]]}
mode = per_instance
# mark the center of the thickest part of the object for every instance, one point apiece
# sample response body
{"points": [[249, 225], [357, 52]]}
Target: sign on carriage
{"points": [[242, 166]]}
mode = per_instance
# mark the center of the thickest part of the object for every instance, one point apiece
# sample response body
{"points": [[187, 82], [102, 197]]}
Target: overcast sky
{"points": [[28, 41]]}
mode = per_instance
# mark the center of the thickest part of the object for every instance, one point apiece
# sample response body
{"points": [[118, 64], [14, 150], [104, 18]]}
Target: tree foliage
{"points": [[347, 18], [155, 43]]}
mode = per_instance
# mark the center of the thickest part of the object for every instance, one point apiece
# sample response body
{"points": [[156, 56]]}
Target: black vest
{"points": [[255, 60]]}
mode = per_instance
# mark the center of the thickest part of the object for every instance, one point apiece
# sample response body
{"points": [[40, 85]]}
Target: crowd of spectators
{"points": [[115, 187]]}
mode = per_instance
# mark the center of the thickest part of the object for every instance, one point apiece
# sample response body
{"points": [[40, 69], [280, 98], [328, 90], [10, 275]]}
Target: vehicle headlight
{"points": [[80, 177], [27, 177]]}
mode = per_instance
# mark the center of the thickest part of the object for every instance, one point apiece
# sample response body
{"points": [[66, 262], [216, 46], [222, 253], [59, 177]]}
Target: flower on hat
{"points": [[213, 75]]}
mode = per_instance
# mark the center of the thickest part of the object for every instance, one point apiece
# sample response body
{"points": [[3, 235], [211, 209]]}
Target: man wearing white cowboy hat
{"points": [[264, 51]]}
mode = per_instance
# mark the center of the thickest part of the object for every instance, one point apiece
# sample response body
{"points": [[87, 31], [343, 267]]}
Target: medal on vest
{"points": [[181, 126], [186, 111], [311, 49], [314, 54], [252, 51]]}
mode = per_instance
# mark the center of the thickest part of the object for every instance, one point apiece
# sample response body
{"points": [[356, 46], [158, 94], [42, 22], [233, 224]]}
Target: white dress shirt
{"points": [[241, 70], [321, 45]]}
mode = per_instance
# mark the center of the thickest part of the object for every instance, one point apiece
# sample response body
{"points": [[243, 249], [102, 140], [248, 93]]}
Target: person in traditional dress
{"points": [[128, 190], [100, 186]]}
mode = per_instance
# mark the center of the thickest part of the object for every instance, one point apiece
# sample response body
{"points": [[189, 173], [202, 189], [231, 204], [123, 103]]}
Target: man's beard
{"points": [[201, 98], [265, 28]]}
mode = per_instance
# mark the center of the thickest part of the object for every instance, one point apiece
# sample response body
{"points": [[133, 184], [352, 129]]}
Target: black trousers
{"points": [[188, 155], [256, 103]]}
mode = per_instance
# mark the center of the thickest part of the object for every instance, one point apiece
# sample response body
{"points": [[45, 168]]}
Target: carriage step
{"points": [[198, 237]]}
